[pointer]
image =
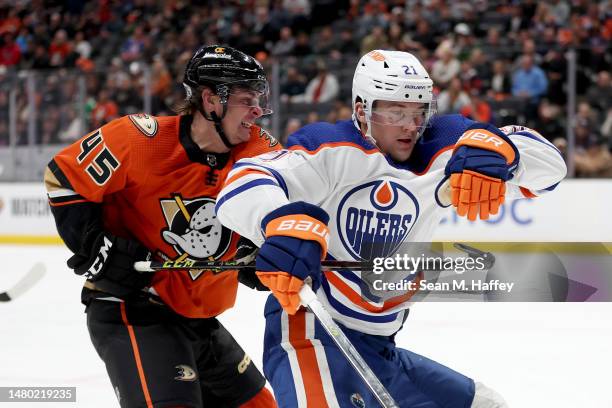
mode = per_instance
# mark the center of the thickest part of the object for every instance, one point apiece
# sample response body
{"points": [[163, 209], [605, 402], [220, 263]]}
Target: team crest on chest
{"points": [[374, 218], [193, 229]]}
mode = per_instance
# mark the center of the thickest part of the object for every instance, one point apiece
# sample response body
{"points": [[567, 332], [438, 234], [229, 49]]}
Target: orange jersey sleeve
{"points": [[98, 164]]}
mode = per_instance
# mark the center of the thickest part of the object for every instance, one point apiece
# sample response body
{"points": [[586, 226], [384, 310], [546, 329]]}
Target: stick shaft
{"points": [[152, 266], [309, 299]]}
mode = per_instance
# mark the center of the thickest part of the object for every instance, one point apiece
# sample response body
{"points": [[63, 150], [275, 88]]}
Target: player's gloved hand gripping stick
{"points": [[109, 264], [296, 242], [483, 160]]}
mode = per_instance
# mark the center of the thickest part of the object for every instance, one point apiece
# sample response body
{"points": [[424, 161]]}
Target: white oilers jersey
{"points": [[370, 199]]}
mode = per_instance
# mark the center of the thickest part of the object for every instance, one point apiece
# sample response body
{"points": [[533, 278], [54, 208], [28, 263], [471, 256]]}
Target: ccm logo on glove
{"points": [[98, 264]]}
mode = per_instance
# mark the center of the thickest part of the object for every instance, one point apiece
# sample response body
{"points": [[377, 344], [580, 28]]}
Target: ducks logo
{"points": [[193, 229]]}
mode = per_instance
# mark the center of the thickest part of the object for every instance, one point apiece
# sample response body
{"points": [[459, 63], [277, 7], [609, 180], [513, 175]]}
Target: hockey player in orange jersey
{"points": [[145, 187]]}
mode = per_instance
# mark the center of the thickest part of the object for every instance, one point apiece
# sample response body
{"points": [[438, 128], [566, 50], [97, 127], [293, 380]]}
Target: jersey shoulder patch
{"points": [[265, 136], [146, 124]]}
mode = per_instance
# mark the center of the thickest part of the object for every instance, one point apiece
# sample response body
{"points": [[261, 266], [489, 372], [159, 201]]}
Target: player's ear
{"points": [[208, 99], [360, 112]]}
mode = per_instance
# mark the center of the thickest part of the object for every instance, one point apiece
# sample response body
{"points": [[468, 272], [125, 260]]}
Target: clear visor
{"points": [[252, 94], [404, 114]]}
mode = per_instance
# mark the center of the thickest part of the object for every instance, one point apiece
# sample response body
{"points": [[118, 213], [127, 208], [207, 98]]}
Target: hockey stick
{"points": [[25, 283], [153, 266], [309, 299]]}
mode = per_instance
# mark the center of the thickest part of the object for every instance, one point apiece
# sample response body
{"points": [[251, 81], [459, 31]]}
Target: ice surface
{"points": [[535, 355]]}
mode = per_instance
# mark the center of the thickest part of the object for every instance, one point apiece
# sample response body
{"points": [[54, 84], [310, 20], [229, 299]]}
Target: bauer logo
{"points": [[375, 218]]}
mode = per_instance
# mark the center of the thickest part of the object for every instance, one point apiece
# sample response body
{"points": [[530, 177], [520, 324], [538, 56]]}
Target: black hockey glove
{"points": [[110, 265], [246, 254]]}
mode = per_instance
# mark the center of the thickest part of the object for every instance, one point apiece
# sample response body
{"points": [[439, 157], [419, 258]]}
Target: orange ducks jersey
{"points": [[143, 178]]}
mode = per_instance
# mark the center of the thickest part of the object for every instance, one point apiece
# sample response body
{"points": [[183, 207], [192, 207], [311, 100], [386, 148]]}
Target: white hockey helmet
{"points": [[392, 76]]}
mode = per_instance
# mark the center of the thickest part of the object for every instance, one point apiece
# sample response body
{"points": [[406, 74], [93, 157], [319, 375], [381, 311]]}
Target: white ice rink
{"points": [[535, 355]]}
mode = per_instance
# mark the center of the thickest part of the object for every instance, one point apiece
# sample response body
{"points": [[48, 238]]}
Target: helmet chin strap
{"points": [[213, 117]]}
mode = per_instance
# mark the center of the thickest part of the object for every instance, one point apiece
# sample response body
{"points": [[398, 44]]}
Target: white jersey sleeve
{"points": [[541, 166], [257, 186]]}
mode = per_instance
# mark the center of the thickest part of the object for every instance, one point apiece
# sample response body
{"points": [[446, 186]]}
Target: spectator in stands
{"points": [[284, 46], [606, 128], [10, 54], [548, 121], [302, 46], [445, 68], [40, 58], [105, 110], [73, 126], [375, 40], [161, 79], [294, 84], [313, 117], [500, 83], [599, 95], [134, 46], [346, 45], [496, 45], [453, 99], [322, 88], [424, 35], [595, 160], [555, 66], [586, 114], [478, 109], [324, 42], [293, 125], [59, 49], [530, 84]]}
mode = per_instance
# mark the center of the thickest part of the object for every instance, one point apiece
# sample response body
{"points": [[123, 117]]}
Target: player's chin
{"points": [[403, 149], [243, 132]]}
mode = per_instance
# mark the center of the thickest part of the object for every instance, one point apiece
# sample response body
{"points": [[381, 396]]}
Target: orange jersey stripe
{"points": [[354, 297], [335, 144], [527, 193], [307, 360], [143, 380], [67, 203], [241, 174]]}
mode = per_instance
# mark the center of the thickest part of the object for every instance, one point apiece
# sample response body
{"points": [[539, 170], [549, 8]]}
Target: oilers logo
{"points": [[375, 218]]}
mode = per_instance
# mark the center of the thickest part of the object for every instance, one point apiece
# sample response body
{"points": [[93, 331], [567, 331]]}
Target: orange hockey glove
{"points": [[483, 160]]}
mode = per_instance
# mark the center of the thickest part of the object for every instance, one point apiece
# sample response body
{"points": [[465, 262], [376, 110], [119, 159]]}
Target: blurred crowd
{"points": [[80, 64]]}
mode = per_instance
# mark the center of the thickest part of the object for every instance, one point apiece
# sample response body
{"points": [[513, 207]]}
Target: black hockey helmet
{"points": [[224, 68]]}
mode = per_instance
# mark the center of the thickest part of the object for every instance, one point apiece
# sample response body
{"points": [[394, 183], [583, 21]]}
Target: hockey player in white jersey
{"points": [[383, 177]]}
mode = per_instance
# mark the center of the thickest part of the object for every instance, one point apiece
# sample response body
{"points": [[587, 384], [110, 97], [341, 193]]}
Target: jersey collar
{"points": [[213, 160]]}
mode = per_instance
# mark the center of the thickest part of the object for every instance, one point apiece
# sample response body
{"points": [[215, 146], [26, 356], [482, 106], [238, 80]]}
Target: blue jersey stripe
{"points": [[275, 174], [242, 188]]}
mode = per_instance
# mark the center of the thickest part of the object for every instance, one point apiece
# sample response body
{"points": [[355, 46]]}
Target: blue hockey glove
{"points": [[296, 242]]}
